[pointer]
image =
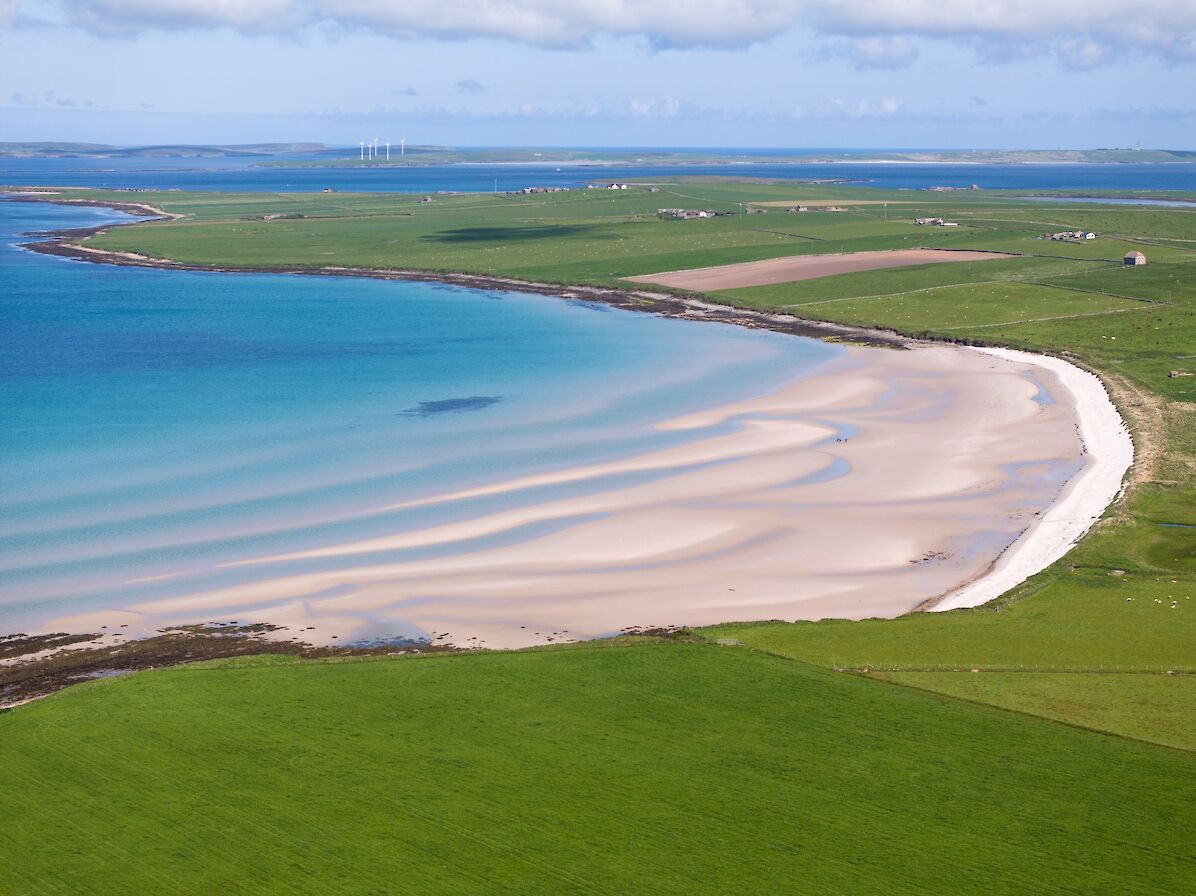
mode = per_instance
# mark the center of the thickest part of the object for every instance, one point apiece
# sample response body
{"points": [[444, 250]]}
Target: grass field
{"points": [[672, 766], [660, 768]]}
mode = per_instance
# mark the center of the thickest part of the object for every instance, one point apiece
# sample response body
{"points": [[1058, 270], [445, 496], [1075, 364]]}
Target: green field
{"points": [[1064, 764], [661, 768]]}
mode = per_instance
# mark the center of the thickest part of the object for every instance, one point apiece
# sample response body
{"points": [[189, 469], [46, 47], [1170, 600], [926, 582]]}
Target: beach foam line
{"points": [[1109, 456]]}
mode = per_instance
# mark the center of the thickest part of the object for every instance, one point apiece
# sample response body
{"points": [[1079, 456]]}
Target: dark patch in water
{"points": [[451, 406]]}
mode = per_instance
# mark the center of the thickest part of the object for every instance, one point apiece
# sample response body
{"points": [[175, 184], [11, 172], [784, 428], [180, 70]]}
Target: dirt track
{"points": [[805, 267]]}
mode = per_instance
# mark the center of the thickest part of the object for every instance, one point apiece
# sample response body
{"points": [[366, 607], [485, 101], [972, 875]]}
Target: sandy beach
{"points": [[884, 481], [1108, 455]]}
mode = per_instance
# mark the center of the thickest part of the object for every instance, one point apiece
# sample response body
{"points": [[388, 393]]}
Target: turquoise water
{"points": [[163, 424]]}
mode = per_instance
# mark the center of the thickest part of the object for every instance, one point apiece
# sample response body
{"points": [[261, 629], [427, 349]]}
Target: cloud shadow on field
{"points": [[516, 234]]}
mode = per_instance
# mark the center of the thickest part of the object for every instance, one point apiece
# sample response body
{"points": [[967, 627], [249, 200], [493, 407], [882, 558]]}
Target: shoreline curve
{"points": [[1103, 432], [1110, 452]]}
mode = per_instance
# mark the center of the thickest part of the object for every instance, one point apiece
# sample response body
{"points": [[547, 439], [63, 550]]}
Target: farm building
{"points": [[1133, 259]]}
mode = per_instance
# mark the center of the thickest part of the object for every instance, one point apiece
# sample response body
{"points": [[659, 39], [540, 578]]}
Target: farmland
{"points": [[1043, 742], [642, 767]]}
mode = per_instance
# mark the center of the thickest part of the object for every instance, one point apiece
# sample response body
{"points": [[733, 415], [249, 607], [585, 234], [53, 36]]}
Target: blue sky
{"points": [[786, 73]]}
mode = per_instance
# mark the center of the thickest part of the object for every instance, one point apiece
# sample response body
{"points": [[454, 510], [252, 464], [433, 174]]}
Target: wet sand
{"points": [[880, 483]]}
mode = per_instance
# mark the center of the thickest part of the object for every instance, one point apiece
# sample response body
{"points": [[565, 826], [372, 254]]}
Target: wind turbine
{"points": [[403, 146], [362, 144], [388, 150], [375, 147]]}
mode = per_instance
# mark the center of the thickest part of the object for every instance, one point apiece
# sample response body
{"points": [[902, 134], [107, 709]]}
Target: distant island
{"points": [[320, 155], [48, 150]]}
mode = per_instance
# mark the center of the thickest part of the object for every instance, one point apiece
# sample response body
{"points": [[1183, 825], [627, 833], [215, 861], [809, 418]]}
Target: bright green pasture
{"points": [[1061, 619], [795, 297], [587, 236], [1151, 706], [664, 768], [1085, 308], [977, 305]]}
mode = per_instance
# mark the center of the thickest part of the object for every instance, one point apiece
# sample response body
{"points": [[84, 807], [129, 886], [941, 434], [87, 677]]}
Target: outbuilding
{"points": [[1133, 259]]}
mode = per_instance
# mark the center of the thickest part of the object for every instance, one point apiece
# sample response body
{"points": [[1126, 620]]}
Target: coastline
{"points": [[744, 520], [1040, 543], [57, 242], [1100, 483]]}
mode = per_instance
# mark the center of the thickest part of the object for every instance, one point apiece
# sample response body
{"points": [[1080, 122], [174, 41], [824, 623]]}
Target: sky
{"points": [[952, 74]]}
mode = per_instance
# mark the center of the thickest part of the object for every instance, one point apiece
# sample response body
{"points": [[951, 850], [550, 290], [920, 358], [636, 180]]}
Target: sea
{"points": [[248, 174], [159, 426]]}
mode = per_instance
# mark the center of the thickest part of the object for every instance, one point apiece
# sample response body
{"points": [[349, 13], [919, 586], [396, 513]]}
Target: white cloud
{"points": [[130, 16], [1162, 27], [891, 51], [656, 107], [1083, 33], [545, 23], [840, 109], [1084, 54]]}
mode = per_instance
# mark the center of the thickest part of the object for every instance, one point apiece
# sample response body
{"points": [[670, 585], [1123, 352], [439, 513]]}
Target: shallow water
{"points": [[159, 425]]}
